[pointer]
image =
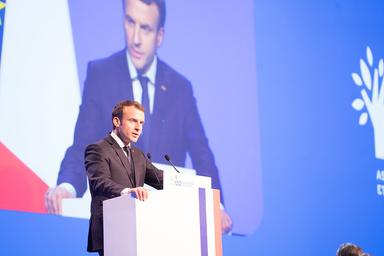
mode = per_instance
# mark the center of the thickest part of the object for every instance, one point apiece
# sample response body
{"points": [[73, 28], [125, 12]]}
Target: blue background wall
{"points": [[319, 167]]}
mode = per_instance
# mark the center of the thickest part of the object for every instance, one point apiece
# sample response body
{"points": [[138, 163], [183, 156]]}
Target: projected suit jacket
{"points": [[109, 172], [176, 126]]}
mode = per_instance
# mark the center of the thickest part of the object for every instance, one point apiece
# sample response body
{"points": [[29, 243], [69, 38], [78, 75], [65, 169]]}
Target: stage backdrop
{"points": [[290, 93]]}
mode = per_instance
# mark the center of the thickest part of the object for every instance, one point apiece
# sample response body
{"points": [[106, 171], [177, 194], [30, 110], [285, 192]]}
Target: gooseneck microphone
{"points": [[168, 158]]}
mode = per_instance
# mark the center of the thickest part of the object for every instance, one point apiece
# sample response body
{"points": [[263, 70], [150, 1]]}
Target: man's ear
{"points": [[116, 121], [160, 37]]}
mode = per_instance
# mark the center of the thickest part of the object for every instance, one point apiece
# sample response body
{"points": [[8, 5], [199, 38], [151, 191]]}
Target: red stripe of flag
{"points": [[20, 188]]}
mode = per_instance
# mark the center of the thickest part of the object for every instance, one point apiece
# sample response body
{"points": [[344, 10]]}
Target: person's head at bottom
{"points": [[349, 249]]}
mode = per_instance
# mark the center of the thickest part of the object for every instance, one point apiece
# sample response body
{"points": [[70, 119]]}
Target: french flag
{"points": [[39, 99]]}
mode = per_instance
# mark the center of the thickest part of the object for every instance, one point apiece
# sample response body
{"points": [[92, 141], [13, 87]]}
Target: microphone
{"points": [[168, 158], [157, 178]]}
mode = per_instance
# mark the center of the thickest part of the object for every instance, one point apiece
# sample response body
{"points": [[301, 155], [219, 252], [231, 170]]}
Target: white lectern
{"points": [[183, 219]]}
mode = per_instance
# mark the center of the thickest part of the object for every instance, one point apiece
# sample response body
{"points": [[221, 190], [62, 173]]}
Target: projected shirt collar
{"points": [[136, 86], [151, 72]]}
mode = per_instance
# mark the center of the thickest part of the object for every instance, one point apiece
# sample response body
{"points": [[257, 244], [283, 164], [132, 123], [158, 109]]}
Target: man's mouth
{"points": [[136, 54]]}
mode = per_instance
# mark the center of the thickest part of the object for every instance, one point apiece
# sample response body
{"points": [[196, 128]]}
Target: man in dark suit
{"points": [[115, 167], [173, 123]]}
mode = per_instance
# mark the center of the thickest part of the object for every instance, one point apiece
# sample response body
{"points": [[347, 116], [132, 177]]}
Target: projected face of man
{"points": [[142, 32]]}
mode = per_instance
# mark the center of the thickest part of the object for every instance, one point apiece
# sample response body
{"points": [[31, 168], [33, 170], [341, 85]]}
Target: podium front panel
{"points": [[170, 222]]}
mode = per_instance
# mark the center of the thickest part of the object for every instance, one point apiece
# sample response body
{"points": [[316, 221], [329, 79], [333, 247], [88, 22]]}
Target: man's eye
{"points": [[130, 21], [146, 29]]}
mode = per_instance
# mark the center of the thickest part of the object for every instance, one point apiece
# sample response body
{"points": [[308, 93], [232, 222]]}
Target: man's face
{"points": [[142, 34], [130, 126]]}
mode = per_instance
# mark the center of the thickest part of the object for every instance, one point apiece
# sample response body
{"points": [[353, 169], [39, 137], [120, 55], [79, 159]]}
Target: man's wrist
{"points": [[69, 187], [126, 191]]}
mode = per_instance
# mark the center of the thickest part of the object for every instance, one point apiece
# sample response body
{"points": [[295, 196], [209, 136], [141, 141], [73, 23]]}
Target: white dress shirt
{"points": [[137, 89]]}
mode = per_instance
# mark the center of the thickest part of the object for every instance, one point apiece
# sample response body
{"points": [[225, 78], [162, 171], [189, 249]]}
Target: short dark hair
{"points": [[160, 6], [349, 249], [118, 109]]}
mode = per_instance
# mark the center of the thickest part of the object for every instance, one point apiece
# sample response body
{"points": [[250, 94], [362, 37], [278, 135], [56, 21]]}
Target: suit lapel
{"points": [[137, 163], [161, 104], [161, 88], [124, 81], [122, 157]]}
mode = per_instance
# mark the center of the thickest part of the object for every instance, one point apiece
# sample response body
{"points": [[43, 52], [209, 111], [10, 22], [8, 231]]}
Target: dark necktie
{"points": [[145, 102], [131, 174]]}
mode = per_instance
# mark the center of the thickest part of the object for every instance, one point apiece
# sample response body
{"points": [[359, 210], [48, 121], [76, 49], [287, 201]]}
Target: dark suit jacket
{"points": [[108, 173], [176, 126]]}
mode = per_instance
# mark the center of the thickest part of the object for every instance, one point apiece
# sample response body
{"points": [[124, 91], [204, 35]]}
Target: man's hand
{"points": [[226, 223], [53, 199], [140, 193]]}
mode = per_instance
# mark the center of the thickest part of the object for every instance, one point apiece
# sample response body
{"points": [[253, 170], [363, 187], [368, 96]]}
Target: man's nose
{"points": [[136, 35]]}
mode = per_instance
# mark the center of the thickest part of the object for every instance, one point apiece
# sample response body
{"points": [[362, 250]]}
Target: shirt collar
{"points": [[118, 140], [150, 74]]}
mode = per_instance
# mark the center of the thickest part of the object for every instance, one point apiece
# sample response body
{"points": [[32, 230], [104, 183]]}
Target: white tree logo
{"points": [[372, 98]]}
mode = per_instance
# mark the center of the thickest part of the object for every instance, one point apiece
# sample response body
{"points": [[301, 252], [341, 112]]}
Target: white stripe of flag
{"points": [[39, 87]]}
